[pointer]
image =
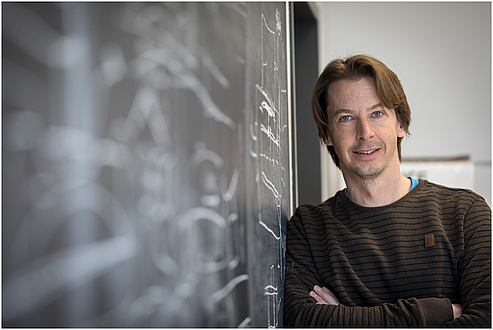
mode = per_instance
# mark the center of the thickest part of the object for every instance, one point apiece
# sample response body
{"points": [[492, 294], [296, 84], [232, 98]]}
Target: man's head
{"points": [[388, 87]]}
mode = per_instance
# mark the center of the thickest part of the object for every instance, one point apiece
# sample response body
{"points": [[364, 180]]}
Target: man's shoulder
{"points": [[449, 199], [316, 213], [448, 193], [329, 204]]}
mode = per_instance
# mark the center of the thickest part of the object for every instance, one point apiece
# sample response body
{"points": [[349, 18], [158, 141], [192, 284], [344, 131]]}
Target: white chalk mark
{"points": [[278, 21], [214, 69], [270, 134], [210, 108], [210, 200], [164, 262], [266, 106], [202, 153], [269, 230], [201, 213], [245, 323], [266, 96], [266, 25], [275, 162], [252, 134], [270, 290], [228, 196], [270, 185], [226, 290], [235, 261]]}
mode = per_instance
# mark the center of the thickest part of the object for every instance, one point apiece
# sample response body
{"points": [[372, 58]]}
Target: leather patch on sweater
{"points": [[429, 240]]}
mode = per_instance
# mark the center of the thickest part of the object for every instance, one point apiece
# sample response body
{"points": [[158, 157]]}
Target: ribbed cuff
{"points": [[437, 311]]}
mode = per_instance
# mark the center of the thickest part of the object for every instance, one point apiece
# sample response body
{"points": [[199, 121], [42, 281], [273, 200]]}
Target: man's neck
{"points": [[378, 191]]}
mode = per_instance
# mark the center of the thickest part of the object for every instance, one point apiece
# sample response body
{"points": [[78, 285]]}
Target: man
{"points": [[387, 251]]}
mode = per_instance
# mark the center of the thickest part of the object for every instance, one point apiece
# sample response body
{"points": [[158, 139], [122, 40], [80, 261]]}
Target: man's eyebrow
{"points": [[378, 105], [342, 110], [339, 111]]}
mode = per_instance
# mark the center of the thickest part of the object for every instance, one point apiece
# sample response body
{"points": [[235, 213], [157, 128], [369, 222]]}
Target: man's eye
{"points": [[345, 118], [377, 113]]}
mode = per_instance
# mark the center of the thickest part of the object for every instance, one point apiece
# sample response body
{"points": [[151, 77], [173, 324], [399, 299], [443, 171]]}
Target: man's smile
{"points": [[366, 152]]}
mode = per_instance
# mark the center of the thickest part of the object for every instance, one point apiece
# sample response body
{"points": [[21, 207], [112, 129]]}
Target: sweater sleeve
{"points": [[475, 269], [301, 310]]}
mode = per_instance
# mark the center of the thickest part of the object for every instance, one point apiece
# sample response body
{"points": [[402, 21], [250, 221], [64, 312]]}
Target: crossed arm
{"points": [[324, 296]]}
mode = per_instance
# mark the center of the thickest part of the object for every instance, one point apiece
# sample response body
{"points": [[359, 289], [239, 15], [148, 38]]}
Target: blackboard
{"points": [[147, 173]]}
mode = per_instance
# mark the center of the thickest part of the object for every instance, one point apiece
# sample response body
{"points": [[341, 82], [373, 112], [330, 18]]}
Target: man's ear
{"points": [[401, 132], [328, 141]]}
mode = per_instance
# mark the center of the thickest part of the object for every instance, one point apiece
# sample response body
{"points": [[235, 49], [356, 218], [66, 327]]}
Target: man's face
{"points": [[363, 132]]}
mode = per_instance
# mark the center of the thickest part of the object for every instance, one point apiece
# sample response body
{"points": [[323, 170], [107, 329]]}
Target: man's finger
{"points": [[319, 299], [326, 295]]}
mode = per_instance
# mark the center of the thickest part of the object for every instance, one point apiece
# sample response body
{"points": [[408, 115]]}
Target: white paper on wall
{"points": [[452, 173]]}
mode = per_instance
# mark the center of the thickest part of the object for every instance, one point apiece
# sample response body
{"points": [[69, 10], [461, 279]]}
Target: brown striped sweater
{"points": [[376, 261]]}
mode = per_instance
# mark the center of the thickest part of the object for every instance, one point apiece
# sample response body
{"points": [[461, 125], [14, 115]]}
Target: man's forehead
{"points": [[349, 95], [348, 87]]}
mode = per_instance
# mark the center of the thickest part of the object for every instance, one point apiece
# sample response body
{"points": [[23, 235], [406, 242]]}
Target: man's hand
{"points": [[457, 310], [324, 296]]}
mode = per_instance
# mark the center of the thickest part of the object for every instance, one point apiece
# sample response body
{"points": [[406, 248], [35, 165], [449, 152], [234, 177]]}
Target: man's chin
{"points": [[366, 172]]}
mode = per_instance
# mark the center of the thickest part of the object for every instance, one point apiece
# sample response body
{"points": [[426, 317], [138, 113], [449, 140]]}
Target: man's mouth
{"points": [[366, 152]]}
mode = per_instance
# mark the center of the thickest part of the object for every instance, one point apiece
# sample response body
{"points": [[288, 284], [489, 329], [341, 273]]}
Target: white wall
{"points": [[442, 54]]}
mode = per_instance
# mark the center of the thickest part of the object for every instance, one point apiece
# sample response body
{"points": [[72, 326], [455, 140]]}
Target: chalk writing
{"points": [[146, 171]]}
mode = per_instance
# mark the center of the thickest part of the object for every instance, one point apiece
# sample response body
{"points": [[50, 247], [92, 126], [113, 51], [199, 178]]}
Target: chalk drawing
{"points": [[129, 158]]}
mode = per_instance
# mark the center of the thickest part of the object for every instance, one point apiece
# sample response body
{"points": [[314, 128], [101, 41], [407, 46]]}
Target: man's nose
{"points": [[364, 130]]}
